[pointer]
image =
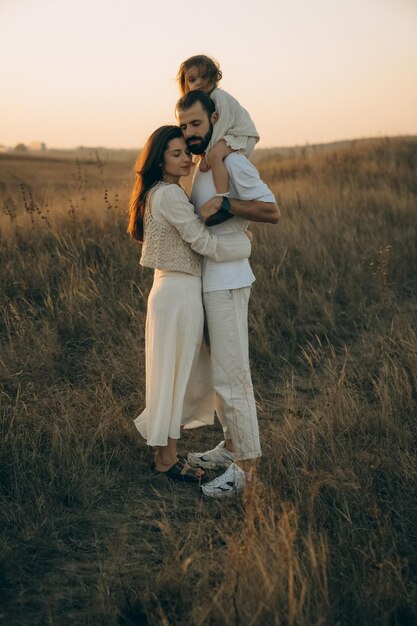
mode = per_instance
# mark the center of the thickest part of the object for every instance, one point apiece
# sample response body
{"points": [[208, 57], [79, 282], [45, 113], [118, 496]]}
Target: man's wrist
{"points": [[225, 205], [224, 213]]}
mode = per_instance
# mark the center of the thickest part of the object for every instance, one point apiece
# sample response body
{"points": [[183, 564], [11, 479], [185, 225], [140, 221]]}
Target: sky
{"points": [[102, 72]]}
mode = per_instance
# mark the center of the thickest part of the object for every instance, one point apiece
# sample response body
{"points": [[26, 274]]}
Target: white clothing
{"points": [[227, 320], [227, 312], [174, 237], [245, 184], [234, 124], [173, 345]]}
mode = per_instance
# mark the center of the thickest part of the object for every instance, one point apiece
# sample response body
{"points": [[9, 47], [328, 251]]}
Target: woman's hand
{"points": [[210, 207]]}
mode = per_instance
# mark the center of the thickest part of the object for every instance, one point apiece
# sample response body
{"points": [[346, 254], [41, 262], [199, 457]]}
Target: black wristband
{"points": [[222, 214]]}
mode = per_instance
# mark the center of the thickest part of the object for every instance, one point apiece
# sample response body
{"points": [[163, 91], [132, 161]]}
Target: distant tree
{"points": [[20, 148]]}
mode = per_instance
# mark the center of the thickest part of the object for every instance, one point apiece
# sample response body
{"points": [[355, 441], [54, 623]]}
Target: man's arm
{"points": [[255, 201], [251, 210]]}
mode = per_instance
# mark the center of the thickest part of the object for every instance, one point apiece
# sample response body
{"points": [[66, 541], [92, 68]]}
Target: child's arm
{"points": [[214, 160]]}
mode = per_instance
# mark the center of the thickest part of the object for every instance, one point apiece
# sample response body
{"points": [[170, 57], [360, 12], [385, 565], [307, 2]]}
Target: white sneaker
{"points": [[231, 483], [212, 459]]}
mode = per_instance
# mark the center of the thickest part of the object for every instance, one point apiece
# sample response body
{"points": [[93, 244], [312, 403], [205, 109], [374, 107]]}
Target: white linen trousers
{"points": [[227, 321]]}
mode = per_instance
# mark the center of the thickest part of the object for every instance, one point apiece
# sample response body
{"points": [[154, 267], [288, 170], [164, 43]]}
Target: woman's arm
{"points": [[176, 209]]}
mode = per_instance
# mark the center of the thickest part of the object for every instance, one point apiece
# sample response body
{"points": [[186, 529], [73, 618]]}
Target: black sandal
{"points": [[180, 471]]}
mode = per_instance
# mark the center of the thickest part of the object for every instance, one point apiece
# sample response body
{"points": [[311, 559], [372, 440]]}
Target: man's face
{"points": [[196, 127]]}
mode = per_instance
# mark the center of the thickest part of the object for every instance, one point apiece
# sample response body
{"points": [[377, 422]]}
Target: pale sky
{"points": [[102, 72]]}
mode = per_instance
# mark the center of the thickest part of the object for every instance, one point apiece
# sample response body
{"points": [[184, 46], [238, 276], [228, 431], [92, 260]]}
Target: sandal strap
{"points": [[177, 471], [190, 471]]}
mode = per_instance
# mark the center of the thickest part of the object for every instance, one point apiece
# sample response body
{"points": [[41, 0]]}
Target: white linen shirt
{"points": [[244, 184]]}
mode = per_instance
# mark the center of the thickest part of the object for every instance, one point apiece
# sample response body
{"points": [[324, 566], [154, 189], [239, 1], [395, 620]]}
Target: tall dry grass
{"points": [[89, 536]]}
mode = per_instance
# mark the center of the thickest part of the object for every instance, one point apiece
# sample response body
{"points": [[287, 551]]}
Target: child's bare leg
{"points": [[215, 161]]}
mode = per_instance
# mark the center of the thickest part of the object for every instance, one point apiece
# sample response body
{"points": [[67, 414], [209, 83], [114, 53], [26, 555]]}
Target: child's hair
{"points": [[204, 64]]}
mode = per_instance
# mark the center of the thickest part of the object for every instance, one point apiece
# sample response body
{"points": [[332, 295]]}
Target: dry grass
{"points": [[89, 536]]}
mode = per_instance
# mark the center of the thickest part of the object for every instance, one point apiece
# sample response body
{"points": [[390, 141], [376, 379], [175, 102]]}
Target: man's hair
{"points": [[191, 97], [205, 65]]}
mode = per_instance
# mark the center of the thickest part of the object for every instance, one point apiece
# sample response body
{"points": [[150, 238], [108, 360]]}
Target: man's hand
{"points": [[210, 207]]}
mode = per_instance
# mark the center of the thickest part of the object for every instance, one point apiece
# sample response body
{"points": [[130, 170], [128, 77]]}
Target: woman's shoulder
{"points": [[171, 191], [163, 190], [168, 194]]}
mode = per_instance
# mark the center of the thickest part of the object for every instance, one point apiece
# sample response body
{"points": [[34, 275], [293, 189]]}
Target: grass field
{"points": [[88, 535]]}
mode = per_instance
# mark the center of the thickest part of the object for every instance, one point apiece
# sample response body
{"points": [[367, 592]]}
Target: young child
{"points": [[234, 129]]}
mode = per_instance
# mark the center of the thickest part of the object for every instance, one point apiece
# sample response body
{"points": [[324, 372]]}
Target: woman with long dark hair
{"points": [[174, 240]]}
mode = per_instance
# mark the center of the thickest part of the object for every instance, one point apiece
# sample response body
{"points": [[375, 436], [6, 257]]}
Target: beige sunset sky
{"points": [[102, 72]]}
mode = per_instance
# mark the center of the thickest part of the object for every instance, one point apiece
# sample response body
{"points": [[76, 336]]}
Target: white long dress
{"points": [[173, 342]]}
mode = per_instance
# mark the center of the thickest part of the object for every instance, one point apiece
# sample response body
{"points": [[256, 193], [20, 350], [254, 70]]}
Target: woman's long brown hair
{"points": [[148, 171]]}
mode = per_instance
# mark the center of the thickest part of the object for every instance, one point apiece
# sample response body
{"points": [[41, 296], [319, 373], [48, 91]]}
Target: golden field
{"points": [[89, 535]]}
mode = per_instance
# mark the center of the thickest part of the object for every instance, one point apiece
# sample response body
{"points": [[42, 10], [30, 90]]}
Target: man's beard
{"points": [[201, 142]]}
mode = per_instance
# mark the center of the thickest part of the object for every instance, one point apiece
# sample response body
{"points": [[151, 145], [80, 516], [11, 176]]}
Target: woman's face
{"points": [[177, 160]]}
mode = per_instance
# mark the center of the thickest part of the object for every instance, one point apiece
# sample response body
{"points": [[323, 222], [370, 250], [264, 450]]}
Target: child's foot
{"points": [[203, 166]]}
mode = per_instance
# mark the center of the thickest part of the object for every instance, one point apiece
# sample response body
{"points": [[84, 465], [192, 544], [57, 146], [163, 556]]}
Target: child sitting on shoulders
{"points": [[234, 130]]}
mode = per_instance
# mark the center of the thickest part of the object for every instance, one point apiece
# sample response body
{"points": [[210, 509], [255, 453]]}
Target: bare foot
{"points": [[184, 472], [176, 467], [163, 464]]}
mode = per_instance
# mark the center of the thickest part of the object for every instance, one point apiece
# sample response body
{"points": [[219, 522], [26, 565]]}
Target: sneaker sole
{"points": [[233, 493]]}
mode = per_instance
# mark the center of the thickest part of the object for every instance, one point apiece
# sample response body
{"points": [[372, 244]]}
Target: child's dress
{"points": [[234, 124]]}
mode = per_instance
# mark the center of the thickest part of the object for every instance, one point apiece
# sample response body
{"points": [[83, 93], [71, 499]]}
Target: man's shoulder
{"points": [[245, 179], [237, 162]]}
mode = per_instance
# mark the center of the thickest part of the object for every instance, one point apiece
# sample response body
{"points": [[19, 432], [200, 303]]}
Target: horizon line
{"points": [[44, 148]]}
